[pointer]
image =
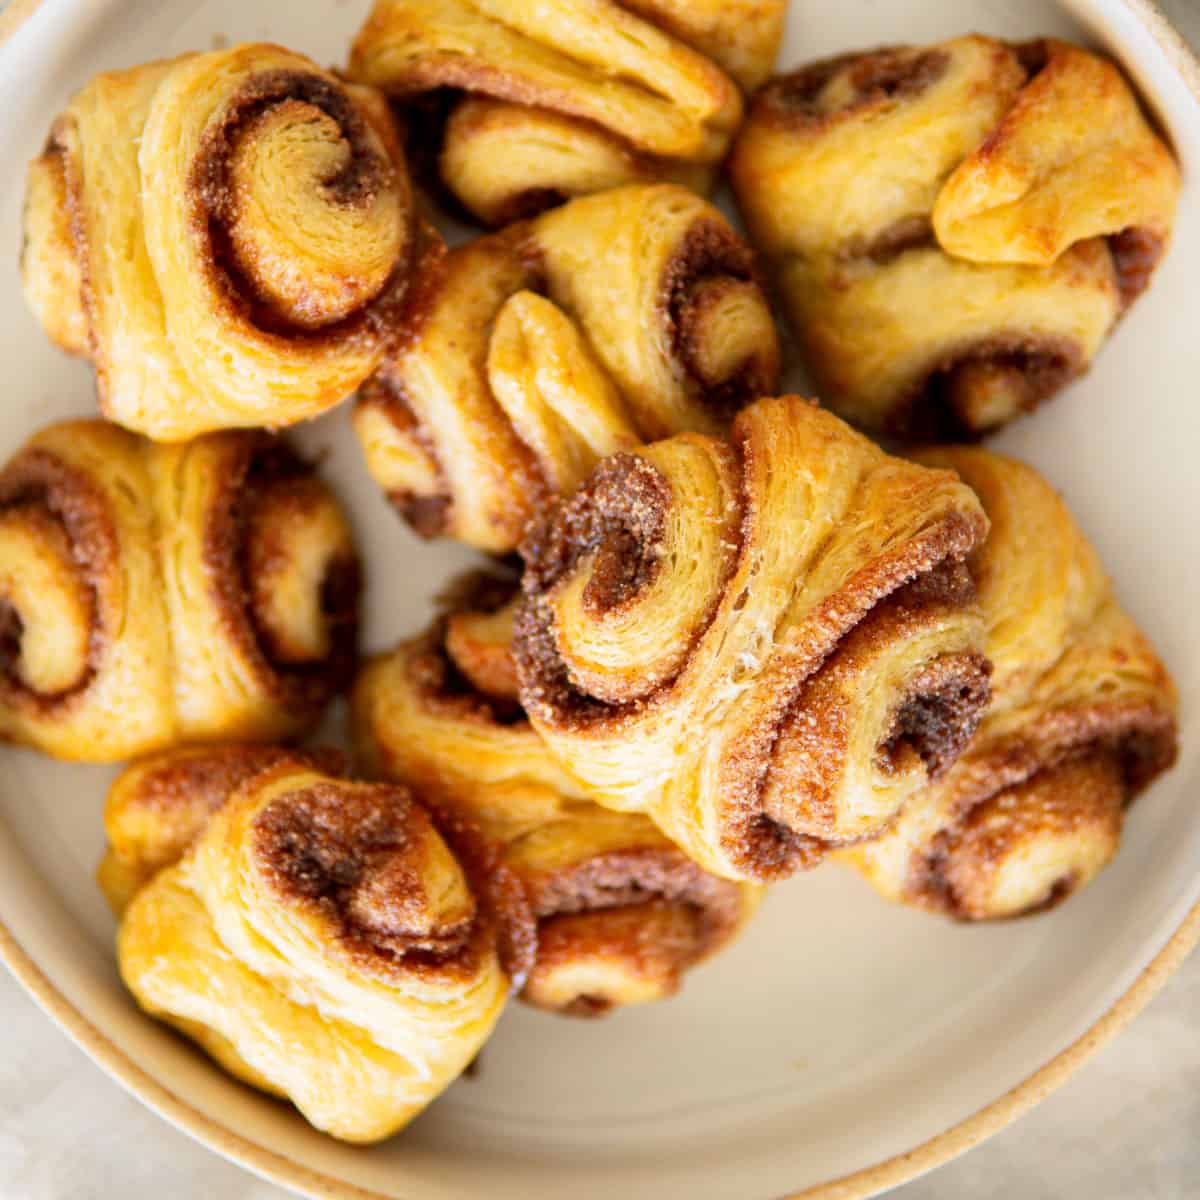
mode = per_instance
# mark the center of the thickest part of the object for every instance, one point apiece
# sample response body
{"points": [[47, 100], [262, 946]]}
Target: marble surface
{"points": [[1126, 1127]]}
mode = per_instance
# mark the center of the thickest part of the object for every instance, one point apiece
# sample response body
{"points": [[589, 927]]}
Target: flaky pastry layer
{"points": [[314, 935], [518, 108], [616, 912], [1082, 718], [157, 593], [615, 319], [954, 229], [766, 644], [229, 237]]}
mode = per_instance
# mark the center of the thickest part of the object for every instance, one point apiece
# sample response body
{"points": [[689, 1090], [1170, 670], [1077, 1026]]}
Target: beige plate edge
{"points": [[869, 1181]]}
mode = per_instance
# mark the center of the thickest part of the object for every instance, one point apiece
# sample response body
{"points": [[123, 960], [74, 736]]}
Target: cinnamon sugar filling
{"points": [[260, 465], [355, 856], [365, 174], [711, 255], [36, 478], [884, 74]]}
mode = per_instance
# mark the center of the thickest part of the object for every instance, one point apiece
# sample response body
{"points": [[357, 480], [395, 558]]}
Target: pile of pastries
{"points": [[717, 634]]}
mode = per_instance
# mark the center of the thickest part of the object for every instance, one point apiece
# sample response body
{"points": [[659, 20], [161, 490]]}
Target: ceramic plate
{"points": [[842, 1044]]}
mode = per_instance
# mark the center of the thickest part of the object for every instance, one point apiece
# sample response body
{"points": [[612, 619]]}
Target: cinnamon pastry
{"points": [[619, 912], [228, 236], [1082, 719], [954, 229], [766, 644], [151, 594], [158, 806], [612, 320], [524, 107], [314, 935]]}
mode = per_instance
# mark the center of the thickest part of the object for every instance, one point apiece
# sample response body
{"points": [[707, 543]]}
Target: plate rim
{"points": [[857, 1185]]}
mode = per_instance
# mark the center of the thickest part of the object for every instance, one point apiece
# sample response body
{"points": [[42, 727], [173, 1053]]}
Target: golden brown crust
{"points": [[988, 273], [272, 257], [51, 273], [236, 269], [540, 349], [594, 889], [1081, 720], [619, 516], [653, 941], [797, 580], [82, 678], [933, 718], [314, 934], [1078, 802], [710, 262], [157, 593], [515, 113], [202, 780], [381, 399], [478, 641], [966, 388]]}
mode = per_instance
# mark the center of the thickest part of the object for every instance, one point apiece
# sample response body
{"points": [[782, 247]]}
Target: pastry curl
{"points": [[158, 806], [619, 912], [765, 644], [954, 229], [612, 320], [573, 97], [228, 236], [1082, 719], [151, 594], [314, 935]]}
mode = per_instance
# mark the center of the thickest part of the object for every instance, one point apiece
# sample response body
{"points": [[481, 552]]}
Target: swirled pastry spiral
{"points": [[315, 935], [158, 806], [615, 319], [619, 912], [1082, 718], [765, 644], [151, 594], [228, 236], [954, 229], [569, 97]]}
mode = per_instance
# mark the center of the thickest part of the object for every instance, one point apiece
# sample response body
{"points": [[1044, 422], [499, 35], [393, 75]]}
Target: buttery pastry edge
{"points": [[953, 229], [229, 237], [618, 912], [516, 108], [151, 594], [765, 643], [314, 935], [613, 320], [1082, 719]]}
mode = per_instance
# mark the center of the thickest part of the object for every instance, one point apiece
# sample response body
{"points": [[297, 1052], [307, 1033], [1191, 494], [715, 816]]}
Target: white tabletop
{"points": [[1126, 1127]]}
